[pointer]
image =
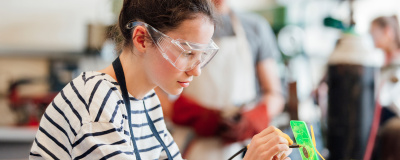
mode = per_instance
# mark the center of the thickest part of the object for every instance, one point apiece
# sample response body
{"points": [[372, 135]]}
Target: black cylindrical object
{"points": [[351, 107], [351, 102]]}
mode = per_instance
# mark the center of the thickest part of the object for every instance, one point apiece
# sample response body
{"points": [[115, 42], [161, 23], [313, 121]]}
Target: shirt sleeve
{"points": [[35, 152], [103, 133], [98, 140], [268, 46], [49, 144]]}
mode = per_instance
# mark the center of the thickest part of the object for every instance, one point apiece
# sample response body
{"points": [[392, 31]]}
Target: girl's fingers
{"points": [[274, 139], [259, 140], [275, 149], [272, 149], [288, 151], [280, 155], [271, 143], [270, 139], [272, 129], [283, 157], [285, 154], [284, 135], [266, 131]]}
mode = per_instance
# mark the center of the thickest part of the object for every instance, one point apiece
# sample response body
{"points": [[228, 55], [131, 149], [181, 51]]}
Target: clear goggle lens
{"points": [[182, 54]]}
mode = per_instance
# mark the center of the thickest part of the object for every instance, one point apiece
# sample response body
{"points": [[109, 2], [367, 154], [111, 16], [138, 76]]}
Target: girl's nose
{"points": [[196, 71]]}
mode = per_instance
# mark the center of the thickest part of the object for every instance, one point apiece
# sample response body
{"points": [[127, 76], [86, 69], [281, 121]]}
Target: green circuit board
{"points": [[303, 138]]}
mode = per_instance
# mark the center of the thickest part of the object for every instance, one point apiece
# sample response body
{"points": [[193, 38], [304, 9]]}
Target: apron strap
{"points": [[155, 133], [119, 73]]}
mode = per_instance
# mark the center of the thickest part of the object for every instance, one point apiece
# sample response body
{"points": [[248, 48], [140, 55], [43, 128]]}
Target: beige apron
{"points": [[229, 79], [225, 84]]}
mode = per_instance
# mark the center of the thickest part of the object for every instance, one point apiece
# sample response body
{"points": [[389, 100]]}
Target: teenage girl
{"points": [[114, 113]]}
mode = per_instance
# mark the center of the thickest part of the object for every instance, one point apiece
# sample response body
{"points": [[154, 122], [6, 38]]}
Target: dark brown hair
{"points": [[164, 15], [389, 21]]}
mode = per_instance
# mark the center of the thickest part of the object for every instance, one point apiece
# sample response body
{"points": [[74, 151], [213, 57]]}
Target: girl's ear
{"points": [[138, 38]]}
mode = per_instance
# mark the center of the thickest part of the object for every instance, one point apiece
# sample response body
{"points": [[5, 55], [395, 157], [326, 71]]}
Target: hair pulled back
{"points": [[164, 15]]}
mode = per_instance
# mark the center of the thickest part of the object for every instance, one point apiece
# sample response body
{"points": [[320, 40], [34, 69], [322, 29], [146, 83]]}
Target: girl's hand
{"points": [[269, 144]]}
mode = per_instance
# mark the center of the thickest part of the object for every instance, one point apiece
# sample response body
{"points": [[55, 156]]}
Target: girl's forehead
{"points": [[197, 30]]}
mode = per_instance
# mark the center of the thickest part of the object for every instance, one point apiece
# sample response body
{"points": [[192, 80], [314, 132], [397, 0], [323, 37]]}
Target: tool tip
{"points": [[295, 146]]}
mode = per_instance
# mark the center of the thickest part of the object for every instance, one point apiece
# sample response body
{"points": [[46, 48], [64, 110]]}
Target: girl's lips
{"points": [[184, 84]]}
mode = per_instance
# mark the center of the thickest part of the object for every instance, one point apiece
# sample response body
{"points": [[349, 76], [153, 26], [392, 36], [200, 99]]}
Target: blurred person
{"points": [[386, 35], [385, 32], [114, 113], [238, 93]]}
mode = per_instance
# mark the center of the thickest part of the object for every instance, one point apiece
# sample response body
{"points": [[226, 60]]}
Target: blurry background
{"points": [[44, 44]]}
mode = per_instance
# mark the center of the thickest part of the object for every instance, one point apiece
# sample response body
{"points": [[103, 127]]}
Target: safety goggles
{"points": [[182, 54]]}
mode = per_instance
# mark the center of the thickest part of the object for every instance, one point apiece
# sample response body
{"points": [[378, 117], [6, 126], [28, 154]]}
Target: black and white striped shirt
{"points": [[88, 120]]}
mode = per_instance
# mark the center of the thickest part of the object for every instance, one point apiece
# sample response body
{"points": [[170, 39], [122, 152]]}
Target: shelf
{"points": [[44, 54], [17, 134]]}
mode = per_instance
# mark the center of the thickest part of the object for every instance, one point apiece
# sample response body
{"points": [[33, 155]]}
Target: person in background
{"points": [[114, 113], [385, 32], [238, 93], [386, 35]]}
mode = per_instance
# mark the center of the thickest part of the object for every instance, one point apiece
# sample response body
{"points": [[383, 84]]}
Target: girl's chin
{"points": [[174, 91]]}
